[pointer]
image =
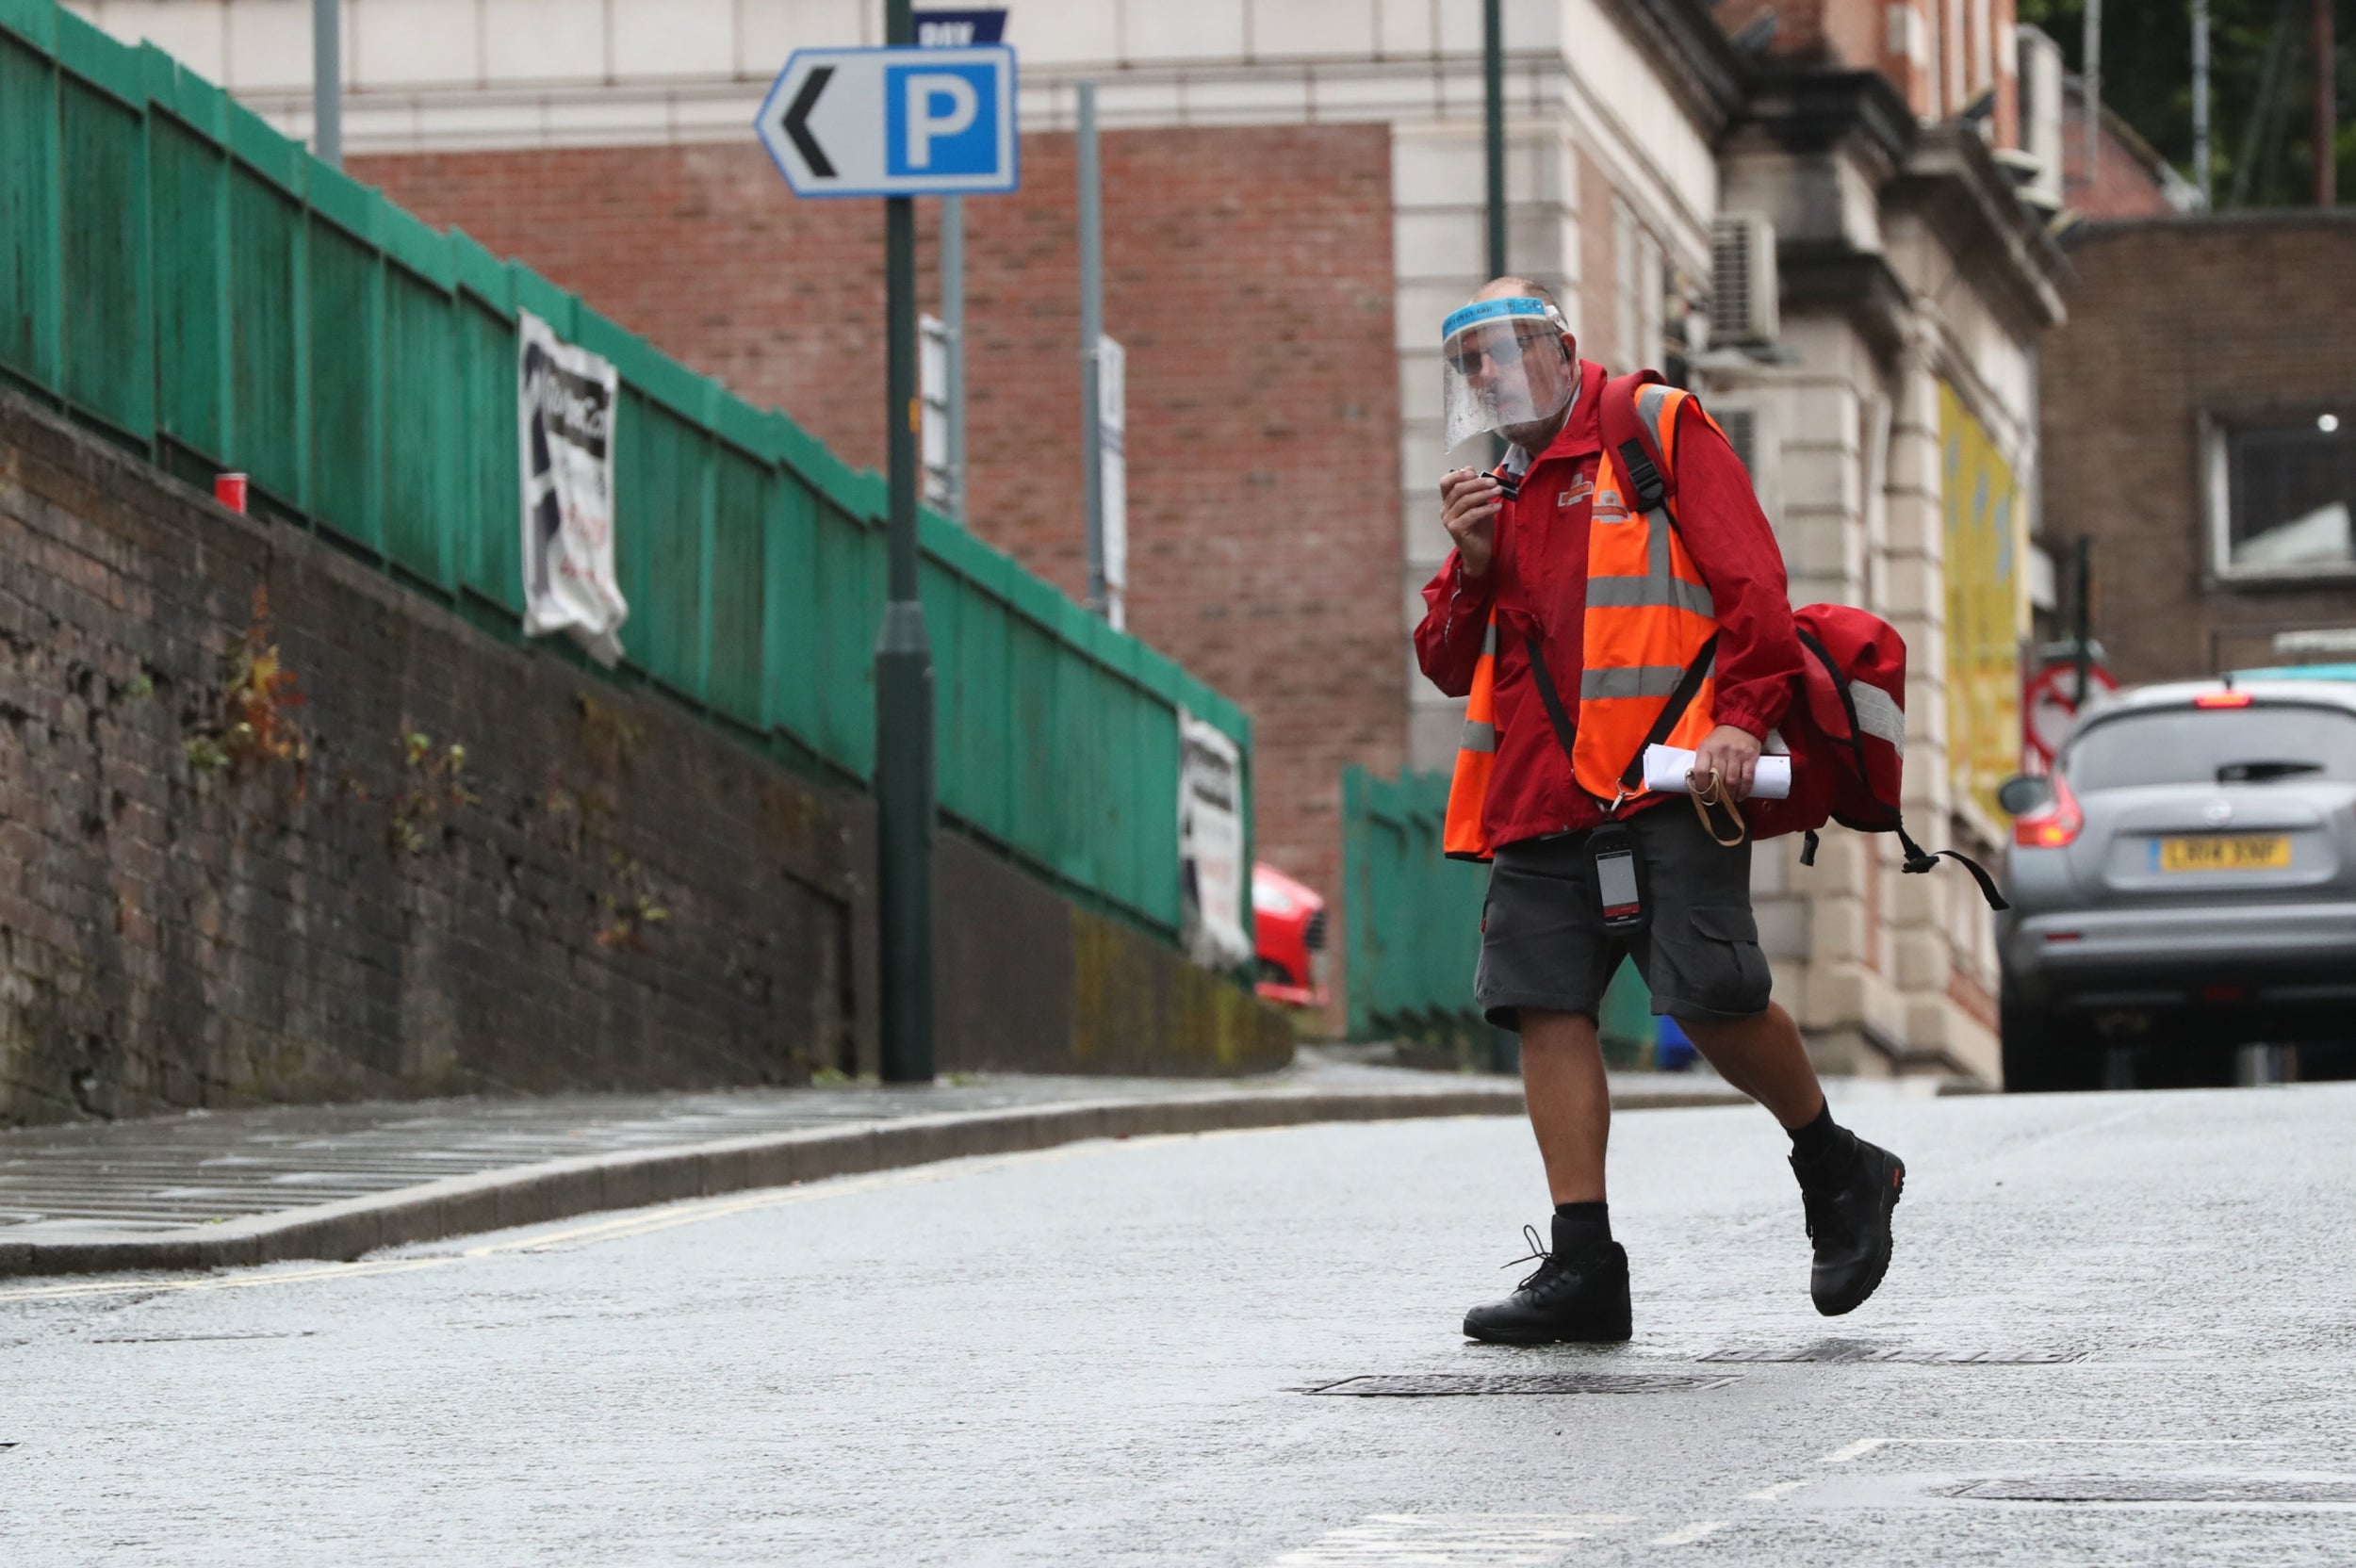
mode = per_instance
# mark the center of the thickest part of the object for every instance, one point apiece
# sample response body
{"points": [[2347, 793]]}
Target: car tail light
{"points": [[2221, 699], [2053, 824]]}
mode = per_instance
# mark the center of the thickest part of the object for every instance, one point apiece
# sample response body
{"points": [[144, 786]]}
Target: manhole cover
{"points": [[1437, 1384], [2157, 1489], [190, 1339], [1842, 1353]]}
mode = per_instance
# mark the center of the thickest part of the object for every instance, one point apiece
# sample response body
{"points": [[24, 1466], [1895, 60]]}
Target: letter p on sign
{"points": [[940, 119]]}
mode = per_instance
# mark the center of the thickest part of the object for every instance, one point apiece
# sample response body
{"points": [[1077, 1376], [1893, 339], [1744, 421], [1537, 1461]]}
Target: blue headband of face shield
{"points": [[1492, 310]]}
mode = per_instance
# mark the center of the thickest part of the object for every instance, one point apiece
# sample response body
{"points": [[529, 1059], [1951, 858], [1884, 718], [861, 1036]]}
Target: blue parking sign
{"points": [[940, 119], [897, 122]]}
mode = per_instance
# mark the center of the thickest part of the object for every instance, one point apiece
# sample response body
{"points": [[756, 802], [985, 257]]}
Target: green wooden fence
{"points": [[1413, 916], [1412, 919], [179, 276]]}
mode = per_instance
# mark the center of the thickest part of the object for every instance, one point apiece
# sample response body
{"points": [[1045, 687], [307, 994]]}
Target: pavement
{"points": [[2118, 1331], [244, 1187]]}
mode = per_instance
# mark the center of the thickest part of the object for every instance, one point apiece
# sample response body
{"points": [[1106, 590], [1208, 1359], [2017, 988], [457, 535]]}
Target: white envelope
{"points": [[1665, 768]]}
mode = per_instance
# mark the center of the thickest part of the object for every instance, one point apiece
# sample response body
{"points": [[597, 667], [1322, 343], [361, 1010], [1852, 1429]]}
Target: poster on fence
{"points": [[567, 397], [1210, 845]]}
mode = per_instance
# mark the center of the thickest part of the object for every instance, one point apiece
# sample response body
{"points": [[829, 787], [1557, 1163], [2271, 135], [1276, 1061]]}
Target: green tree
{"points": [[2261, 89]]}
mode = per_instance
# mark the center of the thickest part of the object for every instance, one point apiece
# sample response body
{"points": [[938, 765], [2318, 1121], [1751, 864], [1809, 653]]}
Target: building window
{"points": [[2281, 492], [1636, 279], [1741, 423]]}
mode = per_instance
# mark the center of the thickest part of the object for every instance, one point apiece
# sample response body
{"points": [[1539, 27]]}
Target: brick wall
{"points": [[1921, 45], [1248, 273], [457, 865], [2167, 319], [2126, 170]]}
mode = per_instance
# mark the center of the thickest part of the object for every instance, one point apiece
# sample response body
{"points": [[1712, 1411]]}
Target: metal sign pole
{"points": [[2093, 77], [1091, 329], [327, 82], [953, 345], [2200, 100], [1492, 126], [904, 679], [898, 123], [1493, 83], [2327, 106]]}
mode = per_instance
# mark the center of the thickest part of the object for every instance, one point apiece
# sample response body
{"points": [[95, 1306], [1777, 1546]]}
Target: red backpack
{"points": [[1846, 727]]}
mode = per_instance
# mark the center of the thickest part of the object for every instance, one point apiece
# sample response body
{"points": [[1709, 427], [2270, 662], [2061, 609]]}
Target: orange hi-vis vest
{"points": [[1462, 837], [1650, 636]]}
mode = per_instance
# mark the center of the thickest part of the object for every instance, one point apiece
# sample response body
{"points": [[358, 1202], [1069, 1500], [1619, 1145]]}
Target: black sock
{"points": [[1581, 1224], [1822, 1142]]}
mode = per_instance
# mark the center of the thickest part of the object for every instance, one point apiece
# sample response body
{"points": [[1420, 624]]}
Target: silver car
{"points": [[2184, 884]]}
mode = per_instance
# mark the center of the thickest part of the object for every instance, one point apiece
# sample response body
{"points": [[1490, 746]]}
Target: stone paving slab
{"points": [[230, 1187]]}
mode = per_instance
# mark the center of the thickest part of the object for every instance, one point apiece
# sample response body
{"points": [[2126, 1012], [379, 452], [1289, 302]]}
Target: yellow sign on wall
{"points": [[1987, 538]]}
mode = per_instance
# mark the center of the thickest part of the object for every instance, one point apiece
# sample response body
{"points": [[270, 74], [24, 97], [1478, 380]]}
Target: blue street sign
{"points": [[959, 29], [899, 122]]}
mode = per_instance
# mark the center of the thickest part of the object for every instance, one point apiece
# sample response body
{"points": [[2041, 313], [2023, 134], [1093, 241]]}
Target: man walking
{"points": [[1561, 586]]}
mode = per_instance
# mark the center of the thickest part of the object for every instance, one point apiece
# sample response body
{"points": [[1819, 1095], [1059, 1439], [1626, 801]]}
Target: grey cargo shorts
{"points": [[1543, 943]]}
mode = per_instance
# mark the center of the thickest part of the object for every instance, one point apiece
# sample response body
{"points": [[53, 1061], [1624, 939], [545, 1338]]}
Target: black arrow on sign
{"points": [[797, 122]]}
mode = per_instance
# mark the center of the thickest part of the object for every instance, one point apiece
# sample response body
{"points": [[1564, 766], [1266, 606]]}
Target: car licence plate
{"points": [[2224, 852]]}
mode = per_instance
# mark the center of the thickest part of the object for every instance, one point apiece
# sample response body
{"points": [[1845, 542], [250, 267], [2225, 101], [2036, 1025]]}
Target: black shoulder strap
{"points": [[1919, 861], [1564, 730], [1688, 686]]}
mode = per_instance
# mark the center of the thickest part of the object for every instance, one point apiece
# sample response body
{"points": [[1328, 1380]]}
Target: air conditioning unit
{"points": [[2040, 66], [1742, 280]]}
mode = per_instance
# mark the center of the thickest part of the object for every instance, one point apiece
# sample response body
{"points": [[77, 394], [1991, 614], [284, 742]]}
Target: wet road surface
{"points": [[2119, 1330]]}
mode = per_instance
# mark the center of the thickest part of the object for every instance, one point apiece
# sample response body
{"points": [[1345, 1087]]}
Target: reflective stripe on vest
{"points": [[1461, 836], [1648, 613]]}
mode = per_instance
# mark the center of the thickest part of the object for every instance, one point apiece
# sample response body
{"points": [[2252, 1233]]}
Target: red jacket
{"points": [[1537, 581]]}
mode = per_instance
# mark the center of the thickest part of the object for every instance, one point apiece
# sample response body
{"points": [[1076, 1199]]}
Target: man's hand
{"points": [[1735, 754], [1469, 499]]}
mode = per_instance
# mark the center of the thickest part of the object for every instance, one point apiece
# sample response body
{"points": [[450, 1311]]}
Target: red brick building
{"points": [[2200, 426]]}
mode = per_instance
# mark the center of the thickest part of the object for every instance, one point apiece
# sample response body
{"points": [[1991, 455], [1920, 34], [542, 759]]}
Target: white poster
{"points": [[1112, 424], [1210, 845], [567, 398]]}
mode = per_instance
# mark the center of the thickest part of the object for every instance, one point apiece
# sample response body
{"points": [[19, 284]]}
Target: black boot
{"points": [[1578, 1295], [1848, 1198]]}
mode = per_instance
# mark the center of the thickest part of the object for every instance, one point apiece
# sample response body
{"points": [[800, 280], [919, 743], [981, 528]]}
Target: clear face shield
{"points": [[1504, 365]]}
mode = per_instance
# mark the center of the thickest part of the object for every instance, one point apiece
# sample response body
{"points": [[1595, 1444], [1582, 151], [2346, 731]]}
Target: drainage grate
{"points": [[1845, 1352], [191, 1339], [1438, 1385], [2157, 1489]]}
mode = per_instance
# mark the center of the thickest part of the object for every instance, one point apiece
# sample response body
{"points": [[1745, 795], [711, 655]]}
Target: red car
{"points": [[1288, 921]]}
